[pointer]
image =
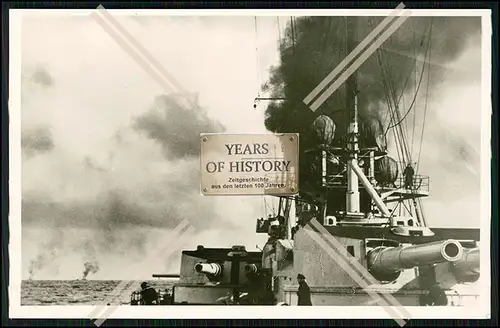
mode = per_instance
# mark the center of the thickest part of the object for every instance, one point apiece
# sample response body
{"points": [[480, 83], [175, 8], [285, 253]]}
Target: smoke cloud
{"points": [[160, 198], [176, 129], [110, 162], [37, 140], [124, 201], [90, 268], [42, 77], [48, 252], [316, 45]]}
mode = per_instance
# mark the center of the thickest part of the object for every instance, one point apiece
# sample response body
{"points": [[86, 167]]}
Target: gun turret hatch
{"points": [[412, 231], [237, 251]]}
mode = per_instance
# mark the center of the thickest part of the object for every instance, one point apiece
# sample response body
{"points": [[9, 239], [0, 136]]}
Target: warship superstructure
{"points": [[366, 211]]}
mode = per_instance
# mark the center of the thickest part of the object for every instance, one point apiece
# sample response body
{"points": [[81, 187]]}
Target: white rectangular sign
{"points": [[249, 164]]}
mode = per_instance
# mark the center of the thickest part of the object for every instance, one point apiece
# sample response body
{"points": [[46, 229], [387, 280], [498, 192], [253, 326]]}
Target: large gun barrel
{"points": [[466, 269], [386, 263], [213, 269], [251, 268], [166, 275]]}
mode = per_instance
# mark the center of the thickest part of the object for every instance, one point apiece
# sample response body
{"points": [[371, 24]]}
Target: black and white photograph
{"points": [[250, 158]]}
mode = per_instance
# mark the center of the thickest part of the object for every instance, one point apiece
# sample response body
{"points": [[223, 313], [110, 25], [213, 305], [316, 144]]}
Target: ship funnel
{"points": [[386, 263], [213, 269]]}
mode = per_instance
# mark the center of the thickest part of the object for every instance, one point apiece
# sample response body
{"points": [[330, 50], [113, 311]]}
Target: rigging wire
{"points": [[398, 133], [407, 80], [393, 108], [401, 132], [414, 112], [268, 207], [418, 202], [418, 84], [397, 115], [404, 87], [389, 103], [415, 95], [405, 122], [388, 100], [426, 101], [418, 205], [428, 62]]}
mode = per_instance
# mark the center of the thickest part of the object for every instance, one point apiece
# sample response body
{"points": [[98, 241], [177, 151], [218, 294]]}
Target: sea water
{"points": [[81, 292]]}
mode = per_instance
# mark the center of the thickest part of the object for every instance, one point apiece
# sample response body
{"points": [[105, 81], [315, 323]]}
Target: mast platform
{"points": [[392, 192], [398, 190]]}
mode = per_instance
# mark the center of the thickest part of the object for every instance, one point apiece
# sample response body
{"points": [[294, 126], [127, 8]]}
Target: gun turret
{"points": [[466, 268], [212, 269], [386, 263]]}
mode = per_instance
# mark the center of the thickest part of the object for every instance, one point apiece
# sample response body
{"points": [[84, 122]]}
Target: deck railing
{"points": [[420, 183]]}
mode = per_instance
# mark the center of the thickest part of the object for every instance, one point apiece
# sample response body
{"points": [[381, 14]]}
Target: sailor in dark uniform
{"points": [[408, 175], [437, 297], [149, 294], [304, 293]]}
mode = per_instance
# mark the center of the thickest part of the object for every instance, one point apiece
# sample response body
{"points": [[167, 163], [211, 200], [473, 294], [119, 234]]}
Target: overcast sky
{"points": [[82, 95]]}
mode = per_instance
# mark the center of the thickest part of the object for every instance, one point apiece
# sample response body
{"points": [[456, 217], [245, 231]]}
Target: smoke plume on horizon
{"points": [[125, 196]]}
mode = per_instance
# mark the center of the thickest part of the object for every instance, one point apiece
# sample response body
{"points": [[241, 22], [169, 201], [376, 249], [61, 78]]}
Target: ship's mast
{"points": [[352, 196]]}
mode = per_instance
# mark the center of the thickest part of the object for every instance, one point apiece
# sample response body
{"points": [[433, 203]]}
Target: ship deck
{"points": [[360, 232]]}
